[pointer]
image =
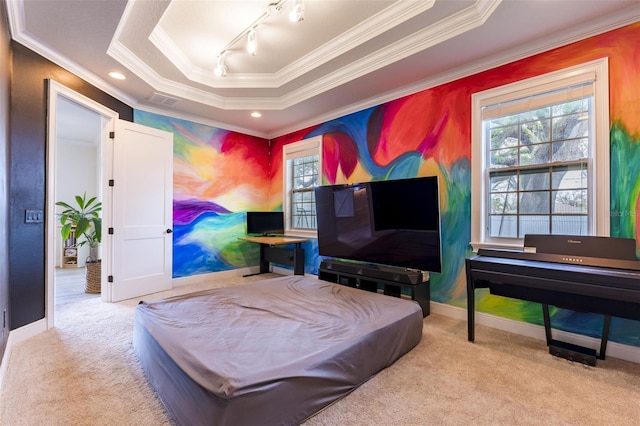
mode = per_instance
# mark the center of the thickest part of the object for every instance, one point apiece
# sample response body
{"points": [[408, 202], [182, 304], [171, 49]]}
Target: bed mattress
{"points": [[268, 352]]}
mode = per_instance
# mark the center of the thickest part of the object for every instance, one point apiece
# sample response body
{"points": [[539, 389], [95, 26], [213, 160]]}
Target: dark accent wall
{"points": [[5, 71], [27, 174]]}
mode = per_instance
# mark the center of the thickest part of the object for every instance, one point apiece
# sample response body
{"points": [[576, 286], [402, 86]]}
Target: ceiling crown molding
{"points": [[612, 22], [460, 22], [465, 20], [15, 12], [379, 23], [439, 50]]}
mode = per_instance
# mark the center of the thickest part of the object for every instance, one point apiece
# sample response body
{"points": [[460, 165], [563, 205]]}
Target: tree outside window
{"points": [[302, 173], [540, 157]]}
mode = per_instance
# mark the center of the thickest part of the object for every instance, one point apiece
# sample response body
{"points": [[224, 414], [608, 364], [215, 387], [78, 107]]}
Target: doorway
{"points": [[78, 173], [77, 159]]}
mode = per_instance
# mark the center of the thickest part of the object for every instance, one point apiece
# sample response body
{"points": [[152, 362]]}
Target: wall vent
{"points": [[164, 100]]}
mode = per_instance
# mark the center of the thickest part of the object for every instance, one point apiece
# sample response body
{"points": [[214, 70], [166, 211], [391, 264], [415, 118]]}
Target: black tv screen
{"points": [[391, 222], [265, 223]]}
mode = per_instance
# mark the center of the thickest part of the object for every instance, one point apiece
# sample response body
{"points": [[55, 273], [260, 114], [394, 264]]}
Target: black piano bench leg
{"points": [[605, 337]]}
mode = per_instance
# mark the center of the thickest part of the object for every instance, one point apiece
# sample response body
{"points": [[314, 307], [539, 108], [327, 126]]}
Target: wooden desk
{"points": [[272, 252]]}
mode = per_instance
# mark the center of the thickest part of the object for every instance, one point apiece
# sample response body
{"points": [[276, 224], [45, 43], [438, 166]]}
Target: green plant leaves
{"points": [[83, 219]]}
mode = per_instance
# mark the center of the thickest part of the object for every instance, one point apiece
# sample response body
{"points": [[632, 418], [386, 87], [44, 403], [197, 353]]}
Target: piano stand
{"points": [[579, 280], [573, 352]]}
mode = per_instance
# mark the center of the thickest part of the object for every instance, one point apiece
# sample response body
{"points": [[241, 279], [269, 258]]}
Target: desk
{"points": [[270, 251]]}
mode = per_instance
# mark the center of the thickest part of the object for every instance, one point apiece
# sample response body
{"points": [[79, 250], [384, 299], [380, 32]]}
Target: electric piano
{"points": [[580, 273]]}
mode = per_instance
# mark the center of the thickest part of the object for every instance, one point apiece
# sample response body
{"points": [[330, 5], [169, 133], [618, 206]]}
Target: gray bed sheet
{"points": [[268, 352]]}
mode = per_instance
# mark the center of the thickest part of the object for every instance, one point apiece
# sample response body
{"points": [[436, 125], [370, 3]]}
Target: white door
{"points": [[142, 202]]}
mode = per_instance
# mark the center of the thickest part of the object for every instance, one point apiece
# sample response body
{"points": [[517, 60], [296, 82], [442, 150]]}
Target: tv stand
{"points": [[368, 277]]}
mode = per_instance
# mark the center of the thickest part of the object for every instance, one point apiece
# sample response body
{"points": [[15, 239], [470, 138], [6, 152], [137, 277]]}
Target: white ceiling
{"points": [[344, 56]]}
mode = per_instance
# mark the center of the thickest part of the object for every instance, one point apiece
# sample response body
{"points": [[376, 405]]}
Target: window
{"points": [[540, 162], [302, 173]]}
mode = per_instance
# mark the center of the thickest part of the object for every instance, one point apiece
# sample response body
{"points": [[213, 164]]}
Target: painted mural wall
{"points": [[429, 133], [219, 174]]}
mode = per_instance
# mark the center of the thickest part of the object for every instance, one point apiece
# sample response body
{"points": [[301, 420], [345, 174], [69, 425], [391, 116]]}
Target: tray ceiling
{"points": [[344, 56]]}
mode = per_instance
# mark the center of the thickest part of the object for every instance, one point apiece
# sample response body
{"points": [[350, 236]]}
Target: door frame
{"points": [[109, 117]]}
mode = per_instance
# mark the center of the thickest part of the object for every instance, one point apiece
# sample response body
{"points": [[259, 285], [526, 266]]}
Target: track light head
{"points": [[252, 41], [274, 8], [297, 11], [221, 67]]}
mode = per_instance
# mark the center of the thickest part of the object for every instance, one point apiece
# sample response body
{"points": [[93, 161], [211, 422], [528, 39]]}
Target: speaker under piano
{"points": [[581, 273]]}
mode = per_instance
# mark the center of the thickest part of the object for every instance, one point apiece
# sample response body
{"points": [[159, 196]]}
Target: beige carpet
{"points": [[85, 373]]}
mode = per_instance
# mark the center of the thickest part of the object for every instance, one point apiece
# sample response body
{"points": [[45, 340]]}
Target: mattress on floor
{"points": [[268, 352]]}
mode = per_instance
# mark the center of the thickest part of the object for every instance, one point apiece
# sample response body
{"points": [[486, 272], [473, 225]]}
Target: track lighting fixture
{"points": [[252, 41], [274, 8]]}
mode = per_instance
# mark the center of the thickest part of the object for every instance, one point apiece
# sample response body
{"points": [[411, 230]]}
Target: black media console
{"points": [[368, 277]]}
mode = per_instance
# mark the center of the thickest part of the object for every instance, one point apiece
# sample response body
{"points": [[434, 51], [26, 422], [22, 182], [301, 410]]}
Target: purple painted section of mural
{"points": [[185, 212]]}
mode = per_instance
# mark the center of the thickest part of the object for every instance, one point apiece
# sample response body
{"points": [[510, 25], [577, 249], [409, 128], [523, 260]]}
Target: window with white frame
{"points": [[540, 163], [302, 173]]}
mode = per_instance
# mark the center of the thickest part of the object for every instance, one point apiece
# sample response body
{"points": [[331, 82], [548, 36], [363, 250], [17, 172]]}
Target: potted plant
{"points": [[84, 220]]}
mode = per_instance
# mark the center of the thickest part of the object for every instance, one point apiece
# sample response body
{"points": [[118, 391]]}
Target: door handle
{"points": [[169, 231]]}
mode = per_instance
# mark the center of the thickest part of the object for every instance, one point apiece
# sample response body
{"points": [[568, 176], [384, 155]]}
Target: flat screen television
{"points": [[265, 223], [391, 222]]}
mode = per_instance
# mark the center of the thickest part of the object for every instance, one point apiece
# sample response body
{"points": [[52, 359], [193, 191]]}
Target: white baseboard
{"points": [[201, 278], [5, 361], [16, 336], [23, 333], [233, 273], [283, 271], [615, 350]]}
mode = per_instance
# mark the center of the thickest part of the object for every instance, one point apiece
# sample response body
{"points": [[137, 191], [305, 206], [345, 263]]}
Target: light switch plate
{"points": [[33, 216]]}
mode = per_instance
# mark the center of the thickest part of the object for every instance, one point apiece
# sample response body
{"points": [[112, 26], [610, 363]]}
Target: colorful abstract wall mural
{"points": [[424, 134], [429, 133], [389, 142], [218, 176]]}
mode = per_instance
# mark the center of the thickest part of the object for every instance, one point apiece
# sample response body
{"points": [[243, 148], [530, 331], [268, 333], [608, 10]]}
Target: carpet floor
{"points": [[84, 372]]}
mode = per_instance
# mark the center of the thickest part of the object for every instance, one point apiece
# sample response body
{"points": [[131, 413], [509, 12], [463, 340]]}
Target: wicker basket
{"points": [[94, 271]]}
